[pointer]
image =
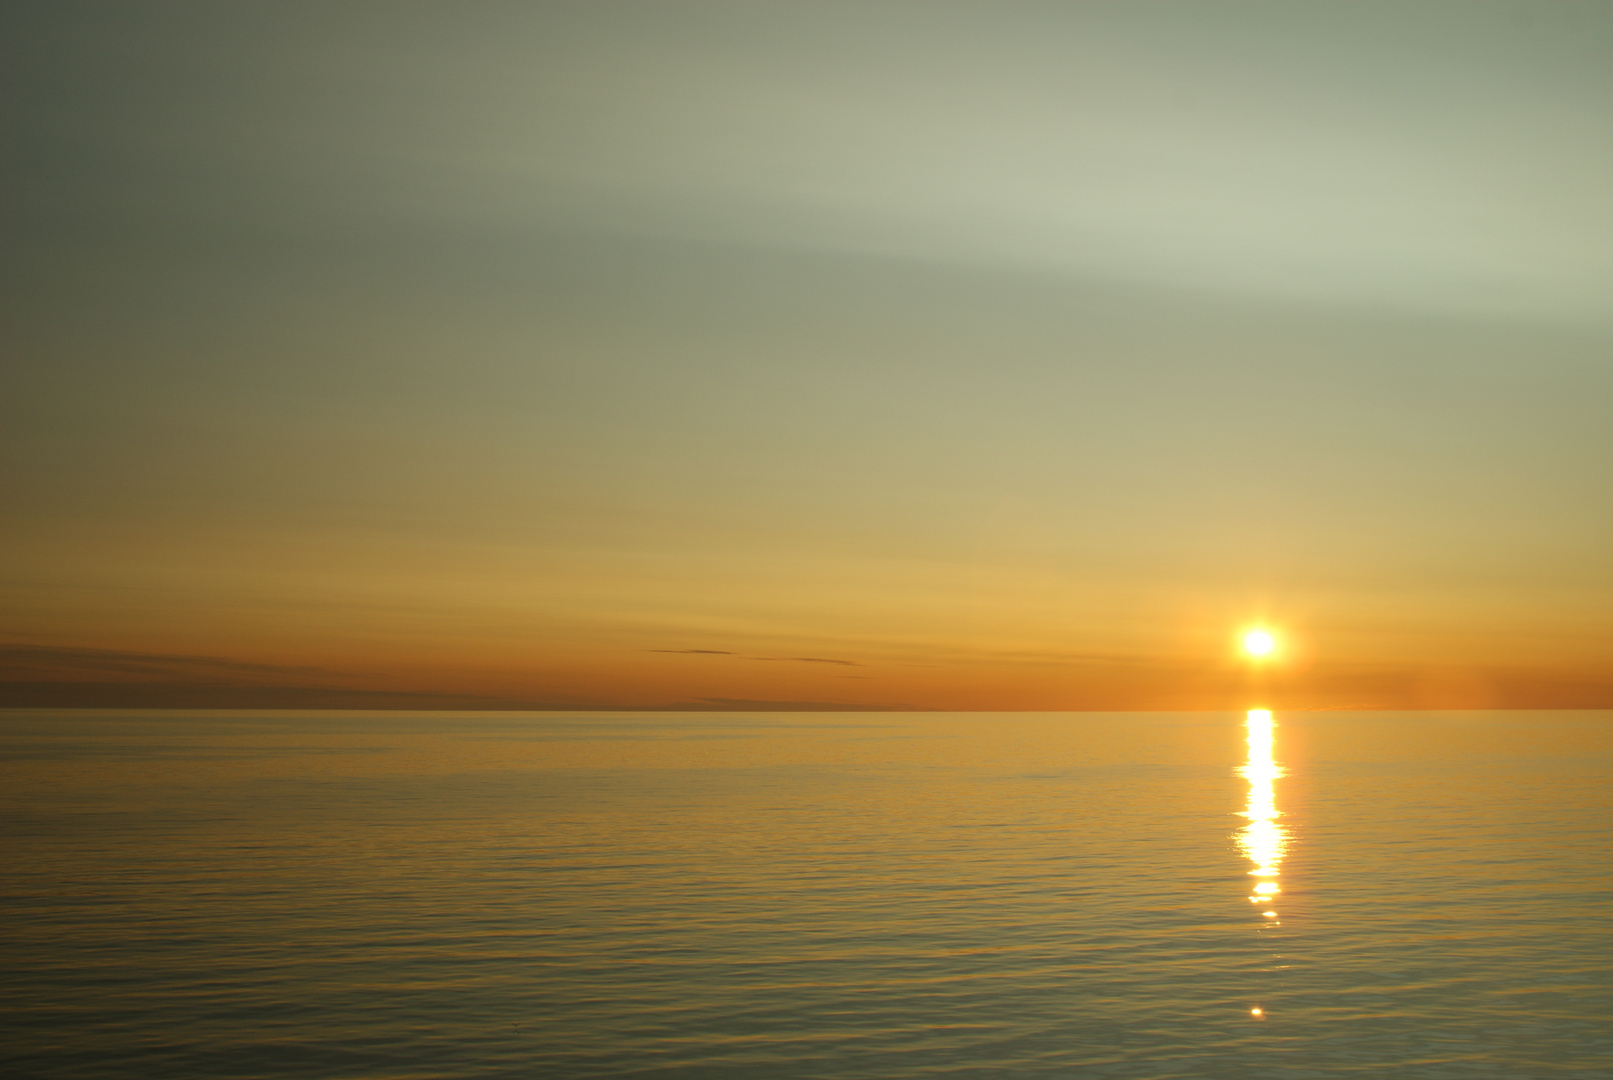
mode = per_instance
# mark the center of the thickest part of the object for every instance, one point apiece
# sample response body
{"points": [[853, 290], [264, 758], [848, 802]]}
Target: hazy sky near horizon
{"points": [[900, 354]]}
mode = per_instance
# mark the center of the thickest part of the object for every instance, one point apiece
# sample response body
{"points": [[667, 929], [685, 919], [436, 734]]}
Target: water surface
{"points": [[808, 895]]}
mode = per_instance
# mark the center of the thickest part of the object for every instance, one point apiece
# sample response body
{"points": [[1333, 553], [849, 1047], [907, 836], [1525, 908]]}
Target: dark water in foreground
{"points": [[793, 895]]}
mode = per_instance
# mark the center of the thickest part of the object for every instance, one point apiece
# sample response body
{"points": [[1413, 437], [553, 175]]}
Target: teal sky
{"points": [[991, 348]]}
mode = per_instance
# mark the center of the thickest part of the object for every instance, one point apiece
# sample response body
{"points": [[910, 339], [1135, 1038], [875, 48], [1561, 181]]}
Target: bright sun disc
{"points": [[1259, 643]]}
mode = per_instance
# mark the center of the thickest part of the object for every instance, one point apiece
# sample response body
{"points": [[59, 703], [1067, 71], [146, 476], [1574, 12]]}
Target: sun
{"points": [[1259, 643]]}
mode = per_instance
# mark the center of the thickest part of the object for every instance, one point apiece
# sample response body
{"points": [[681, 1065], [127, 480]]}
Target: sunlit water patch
{"points": [[1263, 841], [791, 895]]}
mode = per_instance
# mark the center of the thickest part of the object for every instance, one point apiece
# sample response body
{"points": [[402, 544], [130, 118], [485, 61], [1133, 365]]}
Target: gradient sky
{"points": [[929, 355]]}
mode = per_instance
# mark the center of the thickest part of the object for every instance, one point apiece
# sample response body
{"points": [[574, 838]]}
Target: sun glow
{"points": [[1259, 643]]}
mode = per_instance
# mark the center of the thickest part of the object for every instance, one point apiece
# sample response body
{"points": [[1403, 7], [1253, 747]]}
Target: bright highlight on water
{"points": [[1263, 841]]}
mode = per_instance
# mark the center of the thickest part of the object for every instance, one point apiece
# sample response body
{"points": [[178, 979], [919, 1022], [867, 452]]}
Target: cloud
{"points": [[696, 652], [793, 659], [178, 695], [757, 705], [35, 660], [56, 677]]}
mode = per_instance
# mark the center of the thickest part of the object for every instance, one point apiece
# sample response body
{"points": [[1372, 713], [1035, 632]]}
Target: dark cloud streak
{"points": [[759, 705], [177, 695], [68, 661], [740, 656], [695, 652]]}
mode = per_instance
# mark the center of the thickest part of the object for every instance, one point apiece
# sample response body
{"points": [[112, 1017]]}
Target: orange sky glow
{"points": [[905, 357]]}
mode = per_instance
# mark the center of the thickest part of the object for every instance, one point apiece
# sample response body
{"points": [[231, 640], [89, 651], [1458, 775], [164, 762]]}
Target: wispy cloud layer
{"points": [[741, 656], [21, 659]]}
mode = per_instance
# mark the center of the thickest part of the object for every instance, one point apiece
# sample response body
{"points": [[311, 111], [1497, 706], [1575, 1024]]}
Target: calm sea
{"points": [[808, 895]]}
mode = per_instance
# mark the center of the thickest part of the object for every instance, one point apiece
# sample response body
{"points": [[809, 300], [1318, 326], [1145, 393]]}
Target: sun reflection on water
{"points": [[1263, 841]]}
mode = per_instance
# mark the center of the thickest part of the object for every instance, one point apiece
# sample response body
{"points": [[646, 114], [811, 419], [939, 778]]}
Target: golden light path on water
{"points": [[1263, 840]]}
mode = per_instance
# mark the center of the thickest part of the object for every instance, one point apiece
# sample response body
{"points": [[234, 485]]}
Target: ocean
{"points": [[807, 895]]}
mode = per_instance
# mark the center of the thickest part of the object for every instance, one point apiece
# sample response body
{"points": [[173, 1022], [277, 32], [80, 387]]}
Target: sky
{"points": [[806, 355]]}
